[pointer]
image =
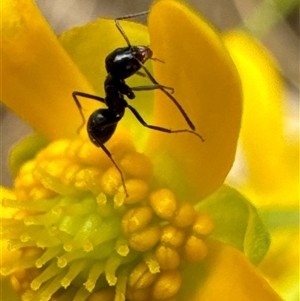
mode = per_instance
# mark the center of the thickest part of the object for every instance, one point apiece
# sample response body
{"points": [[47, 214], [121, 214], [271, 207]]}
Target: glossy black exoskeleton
{"points": [[121, 64]]}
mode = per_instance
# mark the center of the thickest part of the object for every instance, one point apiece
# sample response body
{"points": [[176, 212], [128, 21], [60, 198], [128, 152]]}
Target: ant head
{"points": [[124, 62], [143, 53]]}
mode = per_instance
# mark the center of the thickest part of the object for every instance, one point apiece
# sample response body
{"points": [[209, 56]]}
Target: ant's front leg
{"points": [[75, 95], [152, 87]]}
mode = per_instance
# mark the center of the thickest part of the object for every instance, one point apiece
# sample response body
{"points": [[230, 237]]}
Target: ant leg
{"points": [[128, 17], [109, 155], [75, 95], [152, 87], [141, 74], [86, 95], [158, 128], [177, 104]]}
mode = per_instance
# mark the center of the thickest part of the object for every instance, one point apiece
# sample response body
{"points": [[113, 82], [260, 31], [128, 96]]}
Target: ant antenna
{"points": [[143, 13], [156, 60]]}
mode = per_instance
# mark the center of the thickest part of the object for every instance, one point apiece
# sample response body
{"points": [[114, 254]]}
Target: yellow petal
{"points": [[206, 84], [272, 165], [231, 277], [281, 265], [37, 77]]}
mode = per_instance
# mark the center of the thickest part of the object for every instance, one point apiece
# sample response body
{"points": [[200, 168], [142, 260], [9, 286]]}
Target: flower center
{"points": [[80, 238]]}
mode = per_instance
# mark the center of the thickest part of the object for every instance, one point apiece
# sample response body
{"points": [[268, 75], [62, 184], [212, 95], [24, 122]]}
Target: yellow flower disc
{"points": [[72, 233]]}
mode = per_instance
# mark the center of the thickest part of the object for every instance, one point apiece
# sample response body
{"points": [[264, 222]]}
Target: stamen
{"points": [[121, 285], [112, 264], [65, 259], [195, 249], [151, 262], [47, 291], [122, 247], [167, 285], [168, 258], [203, 225], [184, 215], [97, 269], [141, 277], [136, 219], [110, 181], [137, 191], [172, 236], [145, 239], [51, 271], [163, 203], [75, 268], [49, 254]]}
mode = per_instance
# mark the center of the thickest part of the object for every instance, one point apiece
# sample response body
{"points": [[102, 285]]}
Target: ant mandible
{"points": [[121, 64]]}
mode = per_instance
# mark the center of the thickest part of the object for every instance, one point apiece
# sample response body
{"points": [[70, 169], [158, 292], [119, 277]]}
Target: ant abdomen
{"points": [[101, 126]]}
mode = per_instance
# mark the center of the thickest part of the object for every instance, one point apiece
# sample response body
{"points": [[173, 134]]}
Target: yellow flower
{"points": [[270, 152], [74, 235]]}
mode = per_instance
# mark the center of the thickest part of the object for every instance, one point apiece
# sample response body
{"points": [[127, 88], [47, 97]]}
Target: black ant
{"points": [[121, 64]]}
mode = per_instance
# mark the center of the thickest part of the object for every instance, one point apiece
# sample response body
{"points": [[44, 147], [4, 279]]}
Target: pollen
{"points": [[76, 235]]}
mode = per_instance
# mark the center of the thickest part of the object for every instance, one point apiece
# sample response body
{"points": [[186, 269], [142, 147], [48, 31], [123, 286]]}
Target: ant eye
{"points": [[121, 64], [145, 53]]}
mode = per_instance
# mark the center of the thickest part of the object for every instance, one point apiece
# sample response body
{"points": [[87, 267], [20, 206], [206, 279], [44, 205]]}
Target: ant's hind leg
{"points": [[107, 152], [75, 95]]}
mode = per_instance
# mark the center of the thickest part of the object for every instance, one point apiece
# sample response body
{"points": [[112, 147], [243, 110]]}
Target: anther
{"points": [[164, 203]]}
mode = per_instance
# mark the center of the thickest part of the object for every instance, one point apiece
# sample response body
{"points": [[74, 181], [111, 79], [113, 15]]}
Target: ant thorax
{"points": [[116, 88]]}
